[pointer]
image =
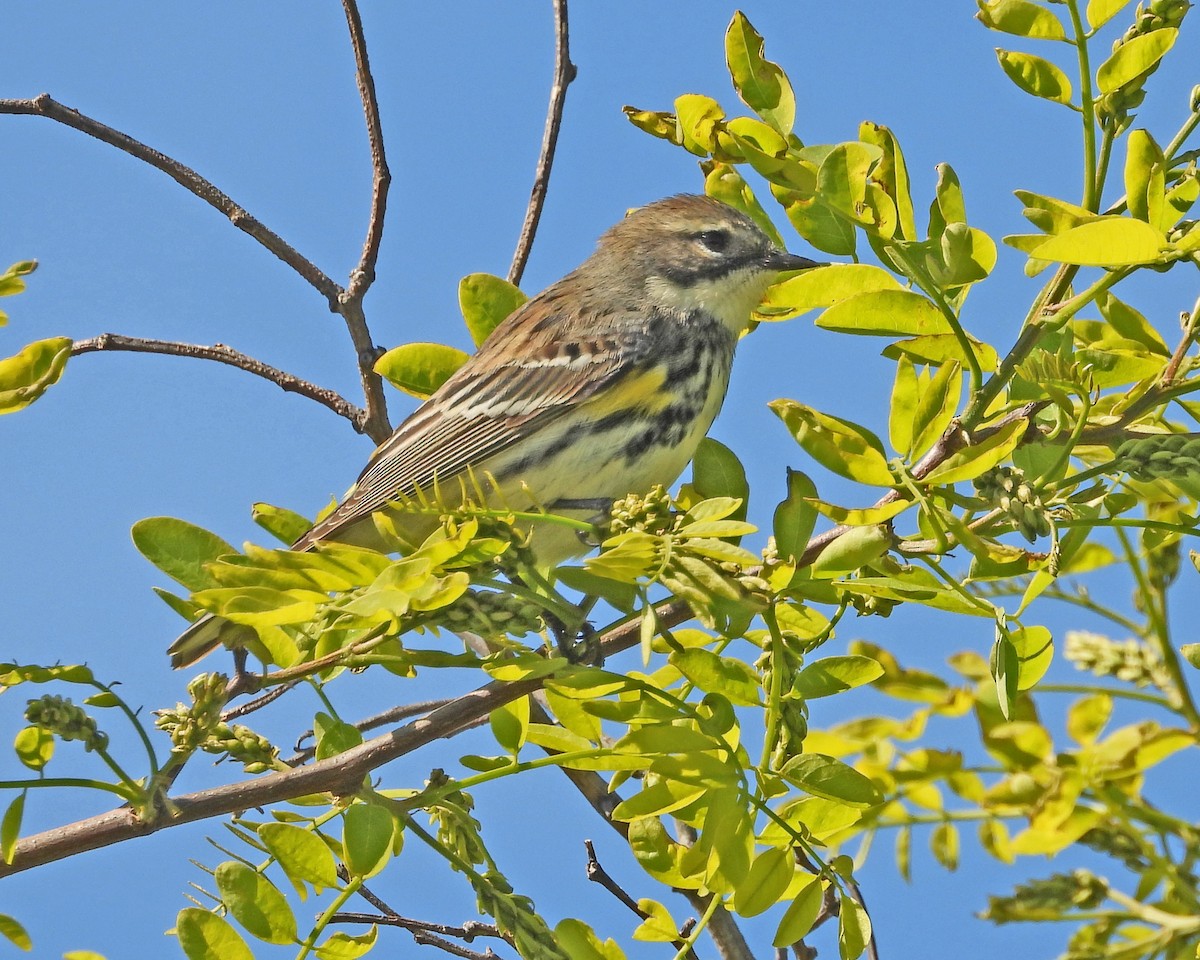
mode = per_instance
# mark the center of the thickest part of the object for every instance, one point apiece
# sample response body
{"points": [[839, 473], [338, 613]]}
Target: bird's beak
{"points": [[783, 262]]}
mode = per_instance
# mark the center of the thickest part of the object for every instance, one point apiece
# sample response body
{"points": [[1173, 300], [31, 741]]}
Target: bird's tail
{"points": [[203, 637]]}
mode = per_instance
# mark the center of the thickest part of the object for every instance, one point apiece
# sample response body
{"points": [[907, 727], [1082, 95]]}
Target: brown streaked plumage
{"points": [[601, 385]]}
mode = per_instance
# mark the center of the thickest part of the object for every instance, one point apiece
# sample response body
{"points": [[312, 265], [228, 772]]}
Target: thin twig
{"points": [[374, 422], [257, 703], [364, 274], [221, 353], [369, 723], [597, 874], [44, 105], [564, 73]]}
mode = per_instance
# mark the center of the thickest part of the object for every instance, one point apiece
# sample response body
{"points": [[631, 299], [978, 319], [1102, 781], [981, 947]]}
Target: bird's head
{"points": [[690, 253]]}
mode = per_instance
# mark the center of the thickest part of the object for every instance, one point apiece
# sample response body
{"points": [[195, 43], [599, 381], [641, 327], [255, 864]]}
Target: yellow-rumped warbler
{"points": [[602, 385]]}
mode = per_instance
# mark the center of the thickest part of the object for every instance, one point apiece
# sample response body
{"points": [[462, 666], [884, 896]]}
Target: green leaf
{"points": [[367, 839], [903, 407], [716, 674], [1106, 242], [1128, 324], [419, 368], [864, 516], [795, 516], [205, 936], [842, 178], [1005, 667], [891, 173], [510, 724], [944, 844], [301, 854], [800, 915], [1099, 12], [255, 903], [768, 878], [886, 313], [486, 301], [820, 226], [180, 549], [334, 736], [26, 375], [1035, 75], [854, 548], [698, 118], [822, 287], [762, 84], [718, 473], [34, 747], [343, 946], [845, 448], [284, 525], [14, 933], [1134, 57], [11, 282], [1035, 649], [658, 925], [936, 407], [10, 827], [581, 943], [661, 797], [1145, 182], [830, 675], [854, 928], [1022, 18], [826, 777], [976, 460]]}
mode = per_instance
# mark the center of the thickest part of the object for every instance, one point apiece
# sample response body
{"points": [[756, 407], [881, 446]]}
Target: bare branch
{"points": [[564, 73], [953, 440], [393, 715], [220, 353], [341, 775], [242, 709], [45, 106], [364, 275], [597, 874]]}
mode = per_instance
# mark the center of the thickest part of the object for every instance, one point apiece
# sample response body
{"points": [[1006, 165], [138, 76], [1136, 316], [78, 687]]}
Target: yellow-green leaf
{"points": [[903, 406], [854, 928], [26, 375], [862, 517], [1022, 18], [886, 313], [800, 915], [1106, 242], [367, 839], [180, 549], [826, 777], [973, 461], [301, 853], [768, 878], [1134, 57], [845, 448], [420, 368], [762, 84], [205, 936], [485, 301], [1035, 75], [822, 287], [830, 675], [255, 903], [1145, 181], [936, 406], [12, 931], [1099, 12]]}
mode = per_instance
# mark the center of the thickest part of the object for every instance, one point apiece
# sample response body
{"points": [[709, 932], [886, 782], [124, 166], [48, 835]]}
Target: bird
{"points": [[602, 385]]}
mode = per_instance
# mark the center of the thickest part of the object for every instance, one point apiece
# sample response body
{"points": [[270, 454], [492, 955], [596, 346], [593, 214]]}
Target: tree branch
{"points": [[341, 775], [220, 353], [45, 106], [564, 73], [374, 421]]}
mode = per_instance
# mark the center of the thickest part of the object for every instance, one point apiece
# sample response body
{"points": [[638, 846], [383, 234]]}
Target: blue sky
{"points": [[260, 98]]}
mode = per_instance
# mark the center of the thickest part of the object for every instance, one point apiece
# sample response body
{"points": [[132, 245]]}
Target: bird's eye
{"points": [[714, 240]]}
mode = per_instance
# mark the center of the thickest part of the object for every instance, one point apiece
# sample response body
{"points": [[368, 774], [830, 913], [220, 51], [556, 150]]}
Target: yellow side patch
{"points": [[642, 391]]}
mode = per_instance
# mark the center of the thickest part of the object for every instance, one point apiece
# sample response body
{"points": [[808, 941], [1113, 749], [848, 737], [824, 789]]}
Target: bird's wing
{"points": [[521, 381]]}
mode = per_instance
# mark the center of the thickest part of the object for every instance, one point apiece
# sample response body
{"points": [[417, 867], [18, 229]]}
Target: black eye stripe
{"points": [[715, 240]]}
